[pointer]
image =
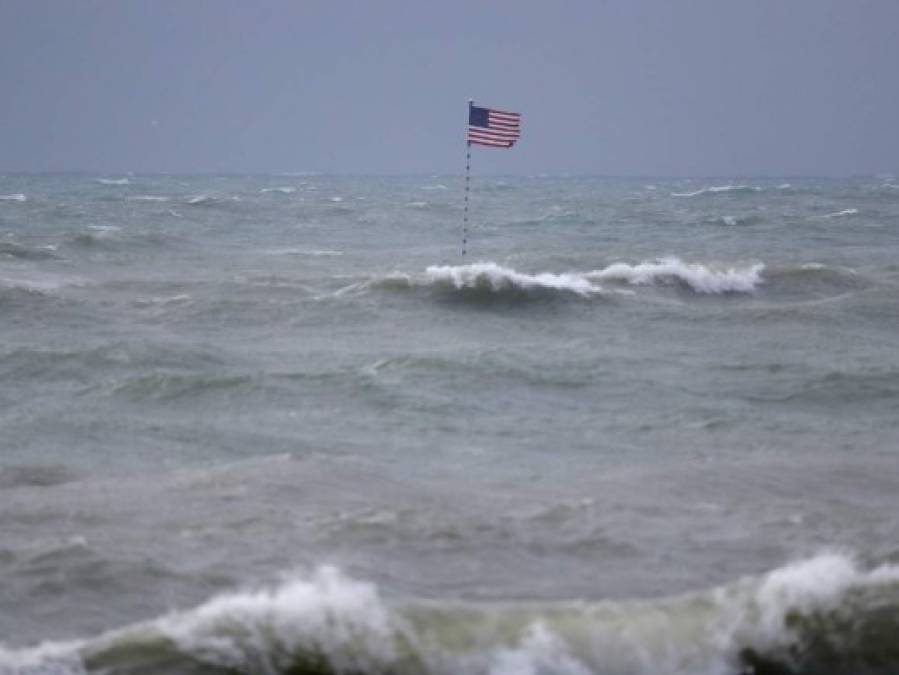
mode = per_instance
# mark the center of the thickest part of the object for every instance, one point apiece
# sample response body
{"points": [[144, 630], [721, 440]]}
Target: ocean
{"points": [[280, 425]]}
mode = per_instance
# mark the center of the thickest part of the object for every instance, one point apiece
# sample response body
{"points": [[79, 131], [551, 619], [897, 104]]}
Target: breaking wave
{"points": [[489, 278], [700, 278], [493, 277], [824, 615], [19, 197], [113, 181]]}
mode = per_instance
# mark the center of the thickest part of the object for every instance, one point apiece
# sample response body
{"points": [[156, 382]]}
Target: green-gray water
{"points": [[278, 424]]}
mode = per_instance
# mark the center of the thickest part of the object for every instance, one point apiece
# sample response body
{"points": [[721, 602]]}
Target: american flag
{"points": [[495, 128]]}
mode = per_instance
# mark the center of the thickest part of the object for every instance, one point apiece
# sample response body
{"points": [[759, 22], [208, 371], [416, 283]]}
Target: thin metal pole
{"points": [[467, 185]]}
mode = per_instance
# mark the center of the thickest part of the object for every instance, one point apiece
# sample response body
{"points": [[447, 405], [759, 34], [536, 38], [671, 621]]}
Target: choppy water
{"points": [[276, 424]]}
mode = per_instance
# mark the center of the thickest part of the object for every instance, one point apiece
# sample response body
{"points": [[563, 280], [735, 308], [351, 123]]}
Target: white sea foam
{"points": [[436, 186], [540, 651], [327, 613], [19, 197], [491, 276], [717, 189], [344, 624], [817, 584], [114, 181], [282, 190], [700, 278]]}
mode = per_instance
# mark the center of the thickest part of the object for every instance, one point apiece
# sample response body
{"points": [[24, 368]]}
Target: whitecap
{"points": [[713, 279], [114, 181], [19, 197], [491, 276], [148, 198], [201, 199], [844, 212]]}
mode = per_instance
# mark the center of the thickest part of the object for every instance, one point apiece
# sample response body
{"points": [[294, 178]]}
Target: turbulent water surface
{"points": [[278, 424]]}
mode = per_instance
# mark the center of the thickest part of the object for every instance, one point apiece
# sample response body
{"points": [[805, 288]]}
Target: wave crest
{"points": [[489, 279], [824, 615], [489, 276], [719, 189], [283, 190], [700, 278]]}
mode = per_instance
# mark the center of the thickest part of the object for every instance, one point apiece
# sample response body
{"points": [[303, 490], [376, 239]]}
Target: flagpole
{"points": [[467, 183]]}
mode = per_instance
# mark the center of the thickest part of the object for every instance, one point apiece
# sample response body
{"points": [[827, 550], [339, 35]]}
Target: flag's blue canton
{"points": [[479, 117], [493, 128]]}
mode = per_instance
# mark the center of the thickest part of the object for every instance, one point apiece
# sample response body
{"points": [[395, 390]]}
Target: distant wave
{"points": [[303, 251], [149, 198], [198, 200], [491, 279], [206, 199], [19, 197], [825, 615], [12, 250], [718, 189], [114, 181], [282, 190], [172, 386], [37, 285], [732, 221], [844, 212], [41, 475]]}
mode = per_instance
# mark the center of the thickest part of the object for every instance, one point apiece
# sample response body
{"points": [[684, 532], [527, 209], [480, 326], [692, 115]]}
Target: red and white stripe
{"points": [[504, 128]]}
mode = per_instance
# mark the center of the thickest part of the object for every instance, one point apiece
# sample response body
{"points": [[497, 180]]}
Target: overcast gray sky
{"points": [[615, 87]]}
